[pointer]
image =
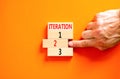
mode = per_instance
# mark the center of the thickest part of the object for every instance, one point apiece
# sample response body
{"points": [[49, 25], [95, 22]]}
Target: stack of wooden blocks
{"points": [[59, 33]]}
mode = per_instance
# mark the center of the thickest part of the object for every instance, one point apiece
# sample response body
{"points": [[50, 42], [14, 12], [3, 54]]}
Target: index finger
{"points": [[82, 43]]}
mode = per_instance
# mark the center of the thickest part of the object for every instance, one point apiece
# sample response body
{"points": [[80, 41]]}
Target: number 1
{"points": [[60, 35]]}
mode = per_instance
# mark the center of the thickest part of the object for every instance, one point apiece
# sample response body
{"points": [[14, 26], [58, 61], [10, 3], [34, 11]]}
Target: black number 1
{"points": [[60, 35]]}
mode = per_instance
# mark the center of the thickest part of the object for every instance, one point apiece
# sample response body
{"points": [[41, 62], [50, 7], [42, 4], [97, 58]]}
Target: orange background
{"points": [[23, 26]]}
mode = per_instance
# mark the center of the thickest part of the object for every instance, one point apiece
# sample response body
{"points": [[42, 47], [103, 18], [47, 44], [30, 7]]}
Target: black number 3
{"points": [[60, 51]]}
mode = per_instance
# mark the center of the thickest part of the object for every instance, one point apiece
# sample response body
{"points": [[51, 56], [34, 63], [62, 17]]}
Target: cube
{"points": [[60, 52], [60, 30], [52, 43]]}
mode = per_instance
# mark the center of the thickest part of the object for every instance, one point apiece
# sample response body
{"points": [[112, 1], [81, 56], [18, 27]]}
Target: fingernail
{"points": [[70, 43]]}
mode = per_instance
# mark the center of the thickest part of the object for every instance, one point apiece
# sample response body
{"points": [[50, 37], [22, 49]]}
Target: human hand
{"points": [[102, 33]]}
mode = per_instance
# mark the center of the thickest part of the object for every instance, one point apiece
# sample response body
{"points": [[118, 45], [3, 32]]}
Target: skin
{"points": [[102, 33]]}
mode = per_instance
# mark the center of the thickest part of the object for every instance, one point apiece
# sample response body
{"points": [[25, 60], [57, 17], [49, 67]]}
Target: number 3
{"points": [[60, 51]]}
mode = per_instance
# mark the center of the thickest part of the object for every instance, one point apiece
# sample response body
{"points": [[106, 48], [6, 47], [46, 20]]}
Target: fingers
{"points": [[92, 25], [119, 13], [87, 34], [94, 19], [81, 43], [90, 34]]}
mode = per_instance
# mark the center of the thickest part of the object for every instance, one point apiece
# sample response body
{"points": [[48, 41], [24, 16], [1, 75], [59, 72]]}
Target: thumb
{"points": [[81, 43]]}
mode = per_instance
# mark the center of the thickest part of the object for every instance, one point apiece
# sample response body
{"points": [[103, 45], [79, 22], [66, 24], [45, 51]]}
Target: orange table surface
{"points": [[23, 27]]}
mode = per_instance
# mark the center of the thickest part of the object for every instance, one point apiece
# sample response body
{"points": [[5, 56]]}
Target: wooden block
{"points": [[50, 43], [60, 34], [60, 30], [60, 52]]}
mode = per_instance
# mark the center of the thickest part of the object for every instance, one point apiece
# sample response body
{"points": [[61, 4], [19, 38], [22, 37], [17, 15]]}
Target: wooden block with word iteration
{"points": [[60, 30], [50, 43], [60, 52]]}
